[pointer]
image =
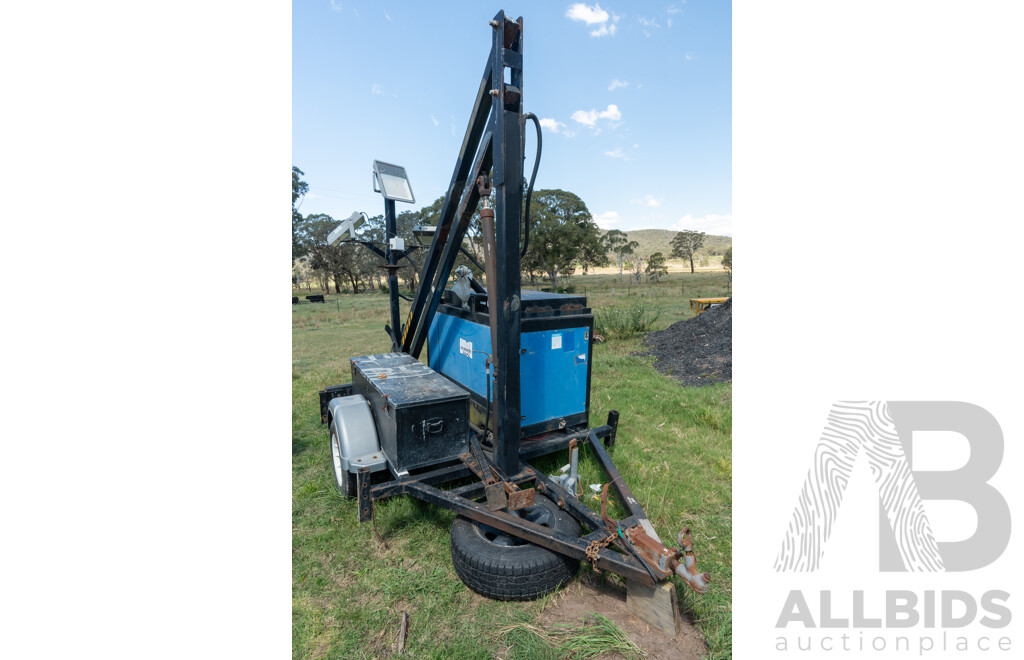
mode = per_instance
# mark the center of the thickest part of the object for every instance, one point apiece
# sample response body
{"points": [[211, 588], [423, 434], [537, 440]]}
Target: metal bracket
{"points": [[363, 493], [520, 499], [497, 498]]}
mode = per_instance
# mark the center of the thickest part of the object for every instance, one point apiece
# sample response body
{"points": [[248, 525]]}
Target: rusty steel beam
{"points": [[575, 547]]}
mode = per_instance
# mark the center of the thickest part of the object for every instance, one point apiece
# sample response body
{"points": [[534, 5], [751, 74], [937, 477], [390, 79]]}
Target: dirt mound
{"points": [[696, 351], [594, 593]]}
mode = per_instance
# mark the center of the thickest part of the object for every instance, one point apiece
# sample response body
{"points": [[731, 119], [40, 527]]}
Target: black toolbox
{"points": [[422, 417]]}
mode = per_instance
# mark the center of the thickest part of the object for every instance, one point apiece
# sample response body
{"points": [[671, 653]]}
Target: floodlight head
{"points": [[347, 229], [424, 234], [393, 182]]}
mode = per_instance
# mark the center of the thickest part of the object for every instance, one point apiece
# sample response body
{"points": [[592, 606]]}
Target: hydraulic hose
{"points": [[533, 177]]}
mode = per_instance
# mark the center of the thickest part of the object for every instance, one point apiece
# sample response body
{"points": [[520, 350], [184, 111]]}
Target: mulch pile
{"points": [[696, 351]]}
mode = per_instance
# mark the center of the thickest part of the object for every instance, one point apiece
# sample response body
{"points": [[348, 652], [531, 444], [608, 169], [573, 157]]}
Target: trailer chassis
{"points": [[492, 154]]}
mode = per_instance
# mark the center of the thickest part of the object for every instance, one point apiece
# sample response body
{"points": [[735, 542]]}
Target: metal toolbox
{"points": [[422, 417]]}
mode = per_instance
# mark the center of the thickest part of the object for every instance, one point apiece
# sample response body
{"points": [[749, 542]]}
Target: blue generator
{"points": [[554, 362]]}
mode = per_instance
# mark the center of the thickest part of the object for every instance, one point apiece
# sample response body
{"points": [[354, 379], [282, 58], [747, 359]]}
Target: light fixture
{"points": [[347, 229], [393, 182], [424, 234]]}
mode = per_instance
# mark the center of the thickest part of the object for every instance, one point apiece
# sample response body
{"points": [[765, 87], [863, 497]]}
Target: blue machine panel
{"points": [[553, 369]]}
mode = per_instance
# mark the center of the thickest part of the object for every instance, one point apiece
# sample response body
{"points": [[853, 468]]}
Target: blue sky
{"points": [[635, 99]]}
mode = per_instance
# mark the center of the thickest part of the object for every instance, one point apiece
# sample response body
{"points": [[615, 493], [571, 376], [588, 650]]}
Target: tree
{"points": [[347, 261], [592, 252], [656, 267], [636, 266], [299, 189], [301, 272], [686, 243], [617, 242], [727, 261], [562, 232]]}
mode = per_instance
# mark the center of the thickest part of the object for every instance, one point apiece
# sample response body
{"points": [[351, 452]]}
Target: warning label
{"points": [[466, 348]]}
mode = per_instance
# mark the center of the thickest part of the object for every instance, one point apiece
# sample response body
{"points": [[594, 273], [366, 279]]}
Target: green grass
{"points": [[674, 449], [595, 636]]}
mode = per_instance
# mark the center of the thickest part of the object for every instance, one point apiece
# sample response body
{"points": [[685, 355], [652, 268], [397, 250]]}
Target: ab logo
{"points": [[882, 430]]}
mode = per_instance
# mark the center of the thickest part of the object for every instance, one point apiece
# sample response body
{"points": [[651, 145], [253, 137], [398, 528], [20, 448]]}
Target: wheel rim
{"points": [[336, 458], [537, 514]]}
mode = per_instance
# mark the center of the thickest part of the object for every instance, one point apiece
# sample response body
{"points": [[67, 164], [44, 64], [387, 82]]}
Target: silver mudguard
{"points": [[353, 422]]}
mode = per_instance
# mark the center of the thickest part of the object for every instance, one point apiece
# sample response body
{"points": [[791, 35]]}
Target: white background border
{"points": [[145, 471], [877, 207]]}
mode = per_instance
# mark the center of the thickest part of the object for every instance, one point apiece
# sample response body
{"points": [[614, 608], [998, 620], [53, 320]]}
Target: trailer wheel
{"points": [[504, 567], [343, 479]]}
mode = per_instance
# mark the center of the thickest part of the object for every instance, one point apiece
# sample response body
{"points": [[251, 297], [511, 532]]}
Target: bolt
{"points": [[494, 24], [494, 93]]}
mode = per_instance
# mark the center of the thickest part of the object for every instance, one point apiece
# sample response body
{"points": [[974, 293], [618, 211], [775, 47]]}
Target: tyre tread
{"points": [[511, 573]]}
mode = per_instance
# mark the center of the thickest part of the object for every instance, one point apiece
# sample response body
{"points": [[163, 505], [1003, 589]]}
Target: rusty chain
{"points": [[595, 547]]}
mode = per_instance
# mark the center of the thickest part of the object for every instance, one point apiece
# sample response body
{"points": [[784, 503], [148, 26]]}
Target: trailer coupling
{"points": [[665, 561]]}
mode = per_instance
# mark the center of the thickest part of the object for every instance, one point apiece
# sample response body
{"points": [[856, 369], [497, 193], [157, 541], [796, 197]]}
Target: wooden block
{"points": [[656, 606]]}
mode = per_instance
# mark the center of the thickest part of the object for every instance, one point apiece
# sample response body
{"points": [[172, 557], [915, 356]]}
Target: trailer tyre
{"points": [[503, 567], [343, 479]]}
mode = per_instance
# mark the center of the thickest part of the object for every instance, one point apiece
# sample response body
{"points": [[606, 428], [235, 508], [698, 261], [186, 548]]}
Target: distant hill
{"points": [[660, 240]]}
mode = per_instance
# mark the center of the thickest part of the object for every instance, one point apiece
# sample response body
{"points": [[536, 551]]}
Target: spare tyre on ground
{"points": [[504, 567]]}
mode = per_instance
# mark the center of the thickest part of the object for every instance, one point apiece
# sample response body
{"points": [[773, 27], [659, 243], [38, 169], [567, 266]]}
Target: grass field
{"points": [[673, 448]]}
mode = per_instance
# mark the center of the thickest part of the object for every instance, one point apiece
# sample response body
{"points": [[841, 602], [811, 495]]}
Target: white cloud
{"points": [[582, 12], [615, 84], [336, 6], [668, 22], [604, 31], [556, 126], [590, 117], [649, 200], [434, 119], [608, 219], [604, 21], [616, 153], [376, 89], [712, 223], [453, 126], [587, 118], [648, 22], [388, 16], [675, 9], [551, 124], [688, 56]]}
